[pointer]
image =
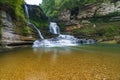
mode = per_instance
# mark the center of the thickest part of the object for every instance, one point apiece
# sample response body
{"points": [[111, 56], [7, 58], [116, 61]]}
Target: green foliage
{"points": [[100, 20], [116, 13], [87, 31], [52, 8], [108, 31], [26, 30], [102, 30], [15, 10], [106, 18], [0, 31], [41, 25], [0, 28], [37, 17], [14, 7]]}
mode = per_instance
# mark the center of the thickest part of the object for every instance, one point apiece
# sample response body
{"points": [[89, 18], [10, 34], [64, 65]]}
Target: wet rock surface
{"points": [[9, 36]]}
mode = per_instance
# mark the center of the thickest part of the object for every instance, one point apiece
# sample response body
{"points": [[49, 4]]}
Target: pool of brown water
{"points": [[66, 63]]}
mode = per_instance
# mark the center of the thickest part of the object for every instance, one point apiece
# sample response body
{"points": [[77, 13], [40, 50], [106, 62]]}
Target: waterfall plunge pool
{"points": [[84, 62]]}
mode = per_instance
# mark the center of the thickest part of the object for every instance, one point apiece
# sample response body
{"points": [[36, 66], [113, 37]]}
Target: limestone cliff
{"points": [[78, 14], [100, 21], [9, 33]]}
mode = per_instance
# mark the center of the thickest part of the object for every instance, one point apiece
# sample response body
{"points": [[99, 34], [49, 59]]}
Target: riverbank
{"points": [[14, 46]]}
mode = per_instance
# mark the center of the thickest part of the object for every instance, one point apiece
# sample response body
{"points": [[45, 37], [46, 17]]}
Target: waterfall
{"points": [[39, 33], [26, 12], [62, 40], [31, 24], [54, 28]]}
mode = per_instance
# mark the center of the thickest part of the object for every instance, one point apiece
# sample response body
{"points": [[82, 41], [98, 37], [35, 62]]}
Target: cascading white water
{"points": [[54, 28], [39, 33], [26, 12], [31, 24], [61, 40]]}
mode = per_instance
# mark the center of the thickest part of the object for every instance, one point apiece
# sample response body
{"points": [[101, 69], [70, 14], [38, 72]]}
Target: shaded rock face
{"points": [[9, 35], [76, 15], [65, 15], [8, 32], [87, 11], [68, 17], [35, 12], [98, 10]]}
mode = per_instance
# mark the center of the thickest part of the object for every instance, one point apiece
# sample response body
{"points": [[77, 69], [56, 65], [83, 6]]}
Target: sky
{"points": [[33, 2]]}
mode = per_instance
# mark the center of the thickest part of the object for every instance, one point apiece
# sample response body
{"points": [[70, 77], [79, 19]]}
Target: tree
{"points": [[14, 7]]}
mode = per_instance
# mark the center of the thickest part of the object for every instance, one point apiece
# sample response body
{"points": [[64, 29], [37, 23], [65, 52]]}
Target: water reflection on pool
{"points": [[65, 63]]}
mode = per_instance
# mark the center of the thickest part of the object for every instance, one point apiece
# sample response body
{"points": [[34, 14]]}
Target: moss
{"points": [[102, 30], [106, 18], [26, 31], [116, 13], [40, 24], [0, 27], [0, 32]]}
